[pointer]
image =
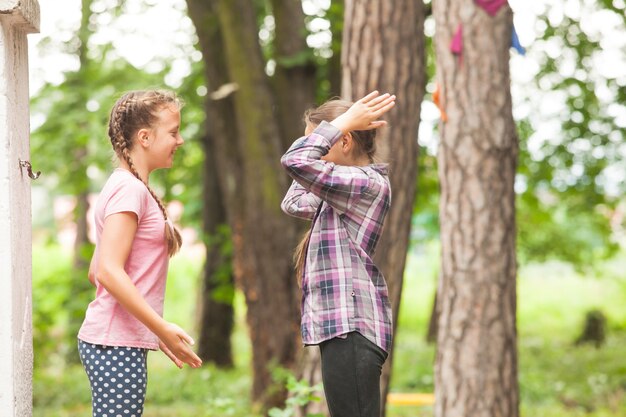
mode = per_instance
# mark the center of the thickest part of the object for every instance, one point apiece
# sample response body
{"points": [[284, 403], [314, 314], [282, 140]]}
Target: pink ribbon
{"points": [[456, 45], [491, 6]]}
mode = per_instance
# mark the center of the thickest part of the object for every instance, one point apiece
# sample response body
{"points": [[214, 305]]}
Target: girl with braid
{"points": [[134, 240], [345, 307]]}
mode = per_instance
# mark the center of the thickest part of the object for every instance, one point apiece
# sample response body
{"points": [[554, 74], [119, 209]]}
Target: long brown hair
{"points": [[137, 110], [365, 144]]}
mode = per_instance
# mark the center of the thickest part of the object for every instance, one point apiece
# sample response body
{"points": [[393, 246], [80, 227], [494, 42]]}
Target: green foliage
{"points": [[564, 195], [425, 221], [556, 377], [301, 393], [81, 294], [73, 136], [186, 392], [561, 187], [51, 290], [224, 290], [425, 225]]}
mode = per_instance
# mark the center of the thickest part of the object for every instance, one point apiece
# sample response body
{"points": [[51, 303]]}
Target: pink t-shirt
{"points": [[106, 321]]}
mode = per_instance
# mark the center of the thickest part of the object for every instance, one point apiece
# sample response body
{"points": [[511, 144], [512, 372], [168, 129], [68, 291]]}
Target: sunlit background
{"points": [[569, 100]]}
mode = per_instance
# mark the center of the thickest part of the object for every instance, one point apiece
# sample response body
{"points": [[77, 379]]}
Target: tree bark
{"points": [[383, 49], [220, 188], [248, 146], [476, 364], [294, 79], [262, 261], [217, 313], [335, 15]]}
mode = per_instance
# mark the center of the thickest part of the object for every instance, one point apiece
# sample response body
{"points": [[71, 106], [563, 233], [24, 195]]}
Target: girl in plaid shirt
{"points": [[345, 307]]}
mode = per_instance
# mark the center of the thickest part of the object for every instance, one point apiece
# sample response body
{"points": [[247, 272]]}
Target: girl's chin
{"points": [[165, 165]]}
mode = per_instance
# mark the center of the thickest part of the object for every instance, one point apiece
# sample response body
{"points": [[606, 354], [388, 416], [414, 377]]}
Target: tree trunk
{"points": [[248, 146], [262, 261], [217, 313], [383, 49], [431, 336], [476, 364], [220, 187], [82, 252], [294, 80], [335, 14]]}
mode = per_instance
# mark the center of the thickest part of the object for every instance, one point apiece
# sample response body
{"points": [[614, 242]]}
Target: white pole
{"points": [[17, 19]]}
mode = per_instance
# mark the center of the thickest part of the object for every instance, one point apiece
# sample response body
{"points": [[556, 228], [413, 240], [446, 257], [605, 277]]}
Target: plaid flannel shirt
{"points": [[342, 289]]}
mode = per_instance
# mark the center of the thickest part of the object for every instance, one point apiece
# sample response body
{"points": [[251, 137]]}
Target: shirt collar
{"points": [[380, 168]]}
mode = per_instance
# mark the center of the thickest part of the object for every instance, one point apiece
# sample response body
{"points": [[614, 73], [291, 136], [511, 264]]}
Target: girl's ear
{"points": [[346, 143], [143, 137]]}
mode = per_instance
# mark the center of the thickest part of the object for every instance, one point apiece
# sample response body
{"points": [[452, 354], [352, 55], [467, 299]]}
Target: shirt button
{"points": [[352, 293]]}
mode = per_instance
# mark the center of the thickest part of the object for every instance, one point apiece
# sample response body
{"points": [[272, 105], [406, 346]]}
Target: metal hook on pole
{"points": [[29, 168]]}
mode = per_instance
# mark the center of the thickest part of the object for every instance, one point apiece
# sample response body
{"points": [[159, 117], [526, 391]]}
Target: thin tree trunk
{"points": [[383, 49], [294, 80], [335, 15], [476, 364], [217, 313], [81, 250], [254, 183], [81, 287], [431, 336], [220, 187], [262, 260]]}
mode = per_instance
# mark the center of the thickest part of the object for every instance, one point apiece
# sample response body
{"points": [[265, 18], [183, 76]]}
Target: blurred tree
{"points": [[218, 288], [476, 363], [564, 189], [249, 116], [569, 183], [562, 192], [383, 49]]}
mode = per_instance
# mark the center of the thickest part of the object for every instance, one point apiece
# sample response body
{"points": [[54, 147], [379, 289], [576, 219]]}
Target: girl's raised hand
{"points": [[364, 113], [177, 345]]}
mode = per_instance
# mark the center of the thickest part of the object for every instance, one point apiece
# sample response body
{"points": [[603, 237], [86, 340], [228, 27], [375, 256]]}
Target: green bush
{"points": [[557, 378]]}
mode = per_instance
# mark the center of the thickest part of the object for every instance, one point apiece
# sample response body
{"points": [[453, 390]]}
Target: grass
{"points": [[557, 379]]}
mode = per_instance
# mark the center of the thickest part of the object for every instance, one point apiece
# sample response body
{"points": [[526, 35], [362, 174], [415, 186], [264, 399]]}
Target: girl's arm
{"points": [[91, 275], [340, 186], [299, 202], [115, 245]]}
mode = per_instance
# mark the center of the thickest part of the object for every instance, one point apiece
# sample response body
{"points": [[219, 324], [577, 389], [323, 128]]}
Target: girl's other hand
{"points": [[170, 355], [364, 113], [178, 343]]}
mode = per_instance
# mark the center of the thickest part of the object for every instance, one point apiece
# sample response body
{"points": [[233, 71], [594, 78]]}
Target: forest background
{"points": [[569, 106]]}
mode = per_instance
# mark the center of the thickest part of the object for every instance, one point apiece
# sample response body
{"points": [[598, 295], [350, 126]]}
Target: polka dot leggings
{"points": [[118, 377]]}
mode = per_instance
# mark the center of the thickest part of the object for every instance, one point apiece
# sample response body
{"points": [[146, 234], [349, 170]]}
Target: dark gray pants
{"points": [[118, 378], [351, 370]]}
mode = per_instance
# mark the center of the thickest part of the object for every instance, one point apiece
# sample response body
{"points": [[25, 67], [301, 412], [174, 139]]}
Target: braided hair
{"points": [[133, 111]]}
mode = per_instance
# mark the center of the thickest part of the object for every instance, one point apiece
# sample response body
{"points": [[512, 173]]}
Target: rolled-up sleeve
{"points": [[299, 202]]}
